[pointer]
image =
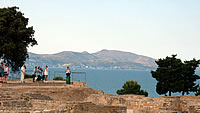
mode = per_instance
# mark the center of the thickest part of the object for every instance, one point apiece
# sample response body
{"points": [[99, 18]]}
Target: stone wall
{"points": [[141, 104], [50, 99], [78, 98]]}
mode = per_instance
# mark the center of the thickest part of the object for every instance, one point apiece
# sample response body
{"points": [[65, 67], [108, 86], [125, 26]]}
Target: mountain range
{"points": [[104, 59]]}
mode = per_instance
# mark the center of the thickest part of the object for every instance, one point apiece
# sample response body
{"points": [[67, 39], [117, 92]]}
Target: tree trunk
{"points": [[170, 93], [183, 93]]}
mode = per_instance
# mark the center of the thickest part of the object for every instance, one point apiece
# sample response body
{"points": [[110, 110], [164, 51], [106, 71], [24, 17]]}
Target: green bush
{"points": [[58, 78], [132, 87], [28, 76]]}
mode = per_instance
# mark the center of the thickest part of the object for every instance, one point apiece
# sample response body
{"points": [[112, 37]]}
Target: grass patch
{"points": [[28, 76], [58, 78]]}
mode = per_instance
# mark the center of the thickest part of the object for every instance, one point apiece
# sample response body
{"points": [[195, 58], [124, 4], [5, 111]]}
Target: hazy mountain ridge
{"points": [[104, 59]]}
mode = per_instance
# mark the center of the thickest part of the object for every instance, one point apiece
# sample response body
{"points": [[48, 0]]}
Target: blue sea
{"points": [[111, 80]]}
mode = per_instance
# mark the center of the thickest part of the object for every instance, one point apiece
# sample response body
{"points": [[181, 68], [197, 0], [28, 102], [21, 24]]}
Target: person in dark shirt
{"points": [[1, 72], [39, 77]]}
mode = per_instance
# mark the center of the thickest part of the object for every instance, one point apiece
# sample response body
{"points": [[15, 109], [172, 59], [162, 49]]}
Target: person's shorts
{"points": [[5, 74], [39, 78]]}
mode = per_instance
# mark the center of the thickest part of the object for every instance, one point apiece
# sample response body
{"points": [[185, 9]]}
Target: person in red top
{"points": [[6, 72]]}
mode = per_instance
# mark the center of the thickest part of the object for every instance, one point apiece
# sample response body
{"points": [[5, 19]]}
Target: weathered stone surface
{"points": [[57, 97], [141, 104]]}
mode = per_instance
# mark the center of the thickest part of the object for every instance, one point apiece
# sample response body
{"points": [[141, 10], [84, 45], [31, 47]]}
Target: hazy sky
{"points": [[155, 28]]}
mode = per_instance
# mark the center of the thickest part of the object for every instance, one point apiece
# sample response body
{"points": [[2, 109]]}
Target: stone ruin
{"points": [[57, 97]]}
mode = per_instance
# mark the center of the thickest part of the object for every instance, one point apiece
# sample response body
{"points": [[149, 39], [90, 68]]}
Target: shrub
{"points": [[58, 78], [28, 76], [131, 87]]}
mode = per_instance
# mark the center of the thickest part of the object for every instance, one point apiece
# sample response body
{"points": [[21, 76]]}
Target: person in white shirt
{"points": [[68, 73], [34, 73], [23, 70], [46, 73]]}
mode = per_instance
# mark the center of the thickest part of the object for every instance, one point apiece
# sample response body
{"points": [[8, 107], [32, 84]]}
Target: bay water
{"points": [[111, 80]]}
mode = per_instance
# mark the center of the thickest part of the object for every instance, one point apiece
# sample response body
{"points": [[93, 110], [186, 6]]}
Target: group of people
{"points": [[4, 72], [40, 74]]}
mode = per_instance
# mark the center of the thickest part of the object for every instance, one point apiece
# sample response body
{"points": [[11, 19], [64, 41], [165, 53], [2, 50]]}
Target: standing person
{"points": [[1, 72], [46, 73], [68, 73], [34, 73], [39, 74], [6, 73], [23, 70]]}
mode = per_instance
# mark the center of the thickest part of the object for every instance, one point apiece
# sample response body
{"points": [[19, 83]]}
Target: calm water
{"points": [[111, 80]]}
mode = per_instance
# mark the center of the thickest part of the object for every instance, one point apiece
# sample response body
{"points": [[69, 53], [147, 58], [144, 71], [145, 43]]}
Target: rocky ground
{"points": [[57, 97]]}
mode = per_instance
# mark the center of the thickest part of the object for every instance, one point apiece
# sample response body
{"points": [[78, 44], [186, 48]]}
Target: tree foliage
{"points": [[131, 87], [15, 36], [197, 91], [173, 75], [189, 77]]}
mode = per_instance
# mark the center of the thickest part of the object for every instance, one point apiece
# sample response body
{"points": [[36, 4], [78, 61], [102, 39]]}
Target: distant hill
{"points": [[104, 59]]}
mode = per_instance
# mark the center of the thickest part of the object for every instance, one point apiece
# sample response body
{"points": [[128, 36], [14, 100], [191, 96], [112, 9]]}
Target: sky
{"points": [[154, 28]]}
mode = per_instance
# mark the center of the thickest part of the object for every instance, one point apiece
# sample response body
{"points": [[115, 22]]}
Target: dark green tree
{"points": [[175, 76], [131, 87], [167, 73], [197, 91], [189, 77], [15, 37]]}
